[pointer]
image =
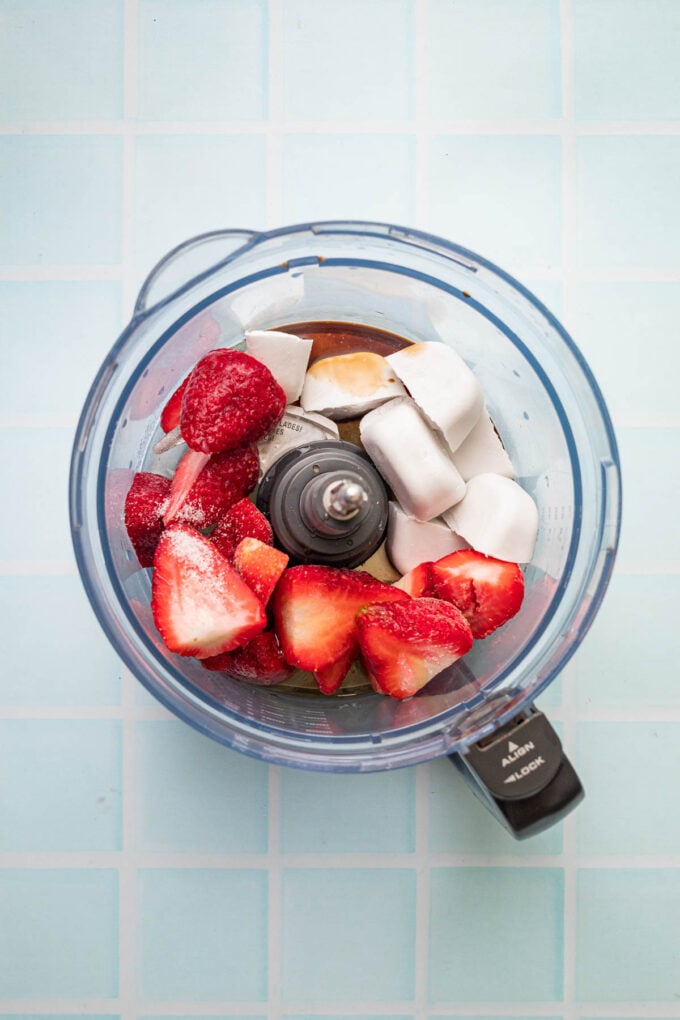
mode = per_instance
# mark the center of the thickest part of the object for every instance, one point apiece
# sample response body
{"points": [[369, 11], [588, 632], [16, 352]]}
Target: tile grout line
{"points": [[421, 92], [274, 914], [422, 920], [226, 1008], [77, 859], [274, 170], [422, 772], [127, 870], [569, 227], [398, 126], [129, 140], [127, 865]]}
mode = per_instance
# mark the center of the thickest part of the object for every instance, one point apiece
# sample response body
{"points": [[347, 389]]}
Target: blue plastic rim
{"points": [[240, 721]]}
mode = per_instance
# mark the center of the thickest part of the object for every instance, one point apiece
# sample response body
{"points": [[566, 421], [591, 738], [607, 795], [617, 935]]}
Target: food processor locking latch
{"points": [[522, 775]]}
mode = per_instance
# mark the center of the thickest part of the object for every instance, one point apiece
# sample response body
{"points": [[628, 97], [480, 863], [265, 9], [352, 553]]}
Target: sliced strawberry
{"points": [[171, 411], [223, 480], [329, 678], [417, 582], [315, 608], [405, 644], [259, 662], [242, 520], [230, 399], [200, 605], [260, 566], [186, 473], [487, 591], [145, 504]]}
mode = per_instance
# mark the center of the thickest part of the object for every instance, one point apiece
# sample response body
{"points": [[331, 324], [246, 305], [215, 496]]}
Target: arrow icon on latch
{"points": [[510, 779]]}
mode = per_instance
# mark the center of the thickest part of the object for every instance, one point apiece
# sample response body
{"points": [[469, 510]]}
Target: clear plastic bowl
{"points": [[539, 391]]}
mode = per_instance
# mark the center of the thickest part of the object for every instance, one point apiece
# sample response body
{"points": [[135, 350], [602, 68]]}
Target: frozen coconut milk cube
{"points": [[411, 542], [482, 452], [497, 517], [285, 355], [347, 385], [443, 387], [411, 458]]}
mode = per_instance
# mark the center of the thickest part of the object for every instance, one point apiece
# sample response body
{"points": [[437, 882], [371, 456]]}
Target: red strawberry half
{"points": [[315, 609], [200, 605], [260, 662], [171, 411], [225, 478], [242, 520], [145, 504], [230, 399], [405, 644], [487, 591], [260, 566]]}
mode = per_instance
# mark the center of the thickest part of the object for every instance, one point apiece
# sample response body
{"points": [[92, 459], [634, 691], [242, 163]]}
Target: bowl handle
{"points": [[522, 775], [187, 263]]}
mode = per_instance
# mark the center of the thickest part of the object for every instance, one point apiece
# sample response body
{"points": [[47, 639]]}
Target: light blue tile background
{"points": [[612, 757], [60, 199], [66, 788], [71, 664], [339, 176], [640, 963], [616, 667], [202, 59], [347, 935], [365, 74], [493, 60], [481, 914], [39, 457], [624, 329], [61, 61], [202, 934], [625, 60], [626, 208], [541, 133], [221, 182], [323, 813], [499, 195], [58, 933], [173, 763], [68, 328], [650, 453]]}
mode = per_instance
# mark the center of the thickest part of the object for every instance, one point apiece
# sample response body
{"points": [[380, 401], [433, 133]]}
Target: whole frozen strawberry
{"points": [[204, 487], [230, 399], [259, 662], [200, 605], [487, 591], [315, 609], [405, 644], [145, 505], [242, 520]]}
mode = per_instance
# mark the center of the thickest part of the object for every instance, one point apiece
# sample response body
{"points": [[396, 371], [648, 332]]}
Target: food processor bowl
{"points": [[539, 392]]}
